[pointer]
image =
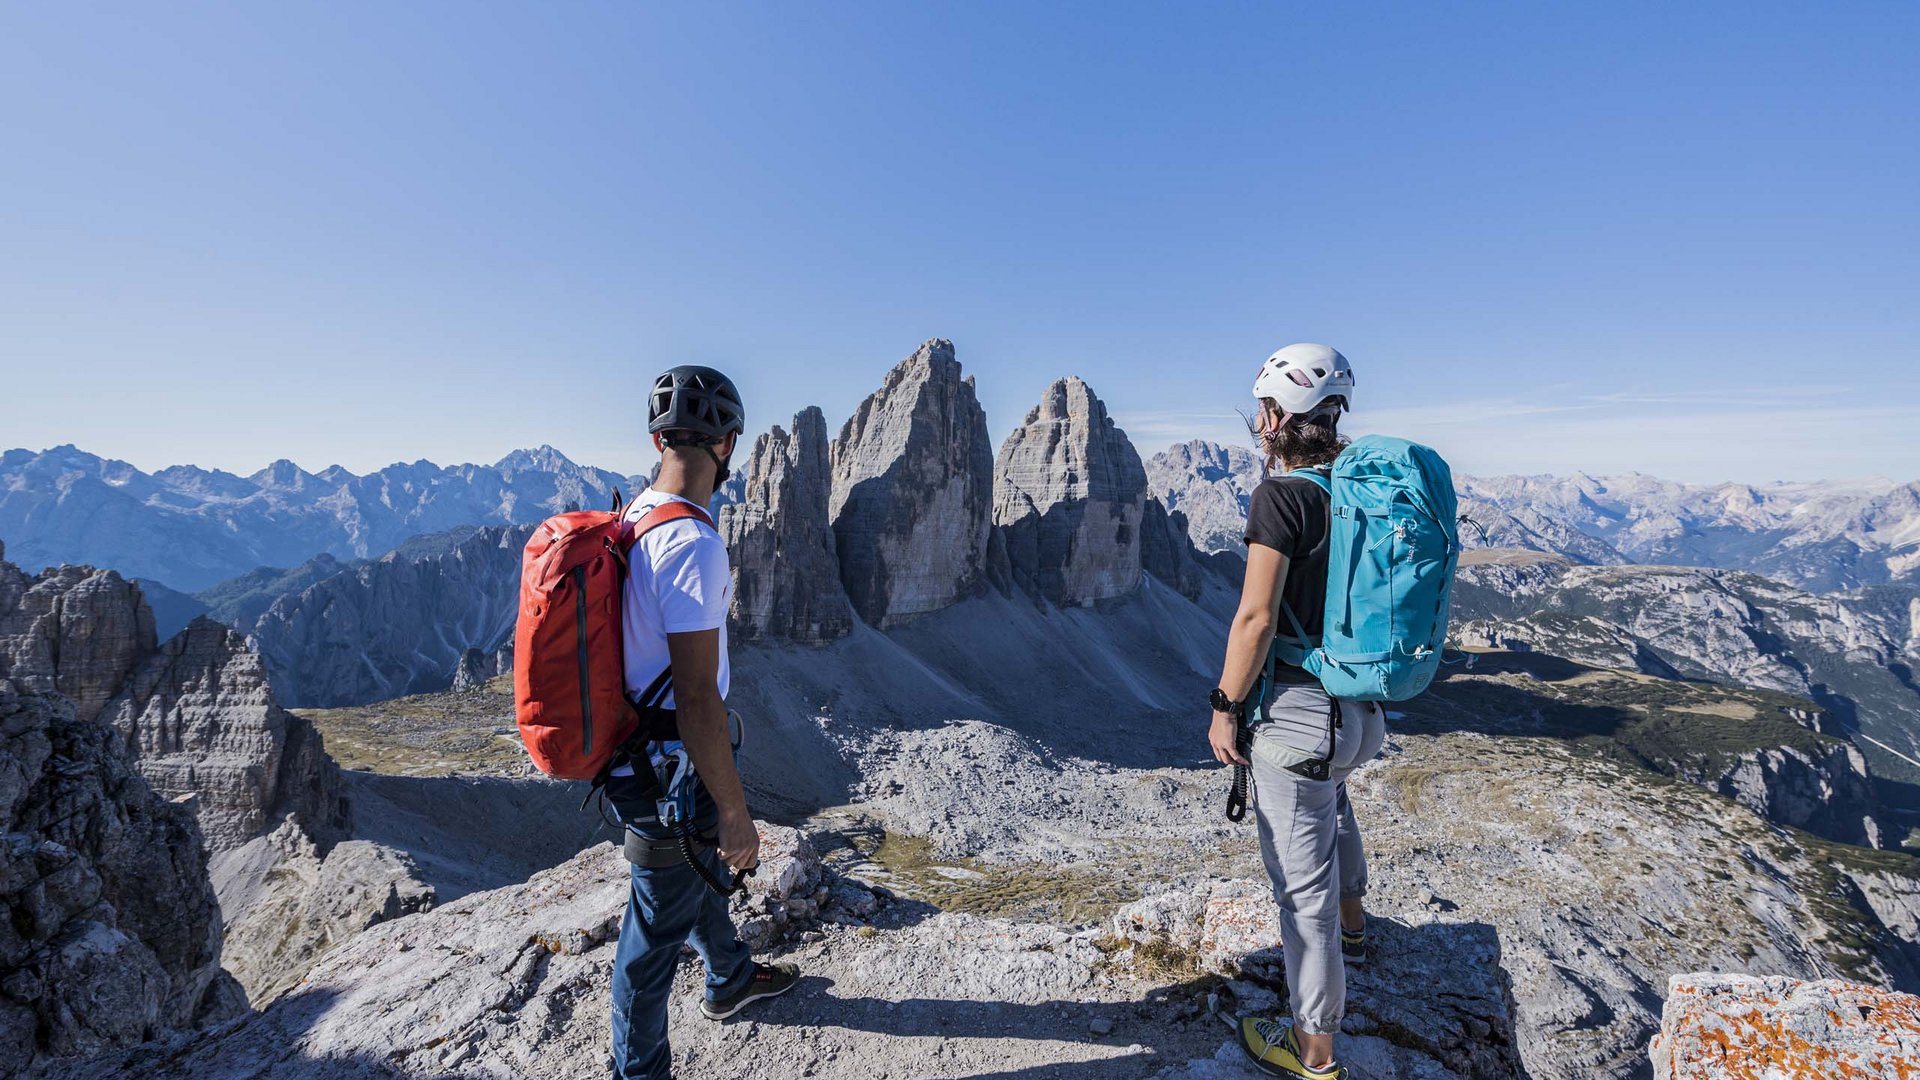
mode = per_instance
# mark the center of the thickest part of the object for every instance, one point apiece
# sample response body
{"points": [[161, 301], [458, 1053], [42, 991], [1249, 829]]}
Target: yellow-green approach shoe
{"points": [[1271, 1045]]}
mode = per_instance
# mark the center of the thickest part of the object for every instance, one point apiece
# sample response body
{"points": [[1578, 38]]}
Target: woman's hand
{"points": [[1224, 734]]}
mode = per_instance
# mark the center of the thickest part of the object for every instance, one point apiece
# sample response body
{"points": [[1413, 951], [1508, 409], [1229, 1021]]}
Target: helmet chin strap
{"points": [[721, 472]]}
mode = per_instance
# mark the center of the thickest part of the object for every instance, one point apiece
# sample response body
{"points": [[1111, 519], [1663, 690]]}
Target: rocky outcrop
{"points": [[493, 984], [1209, 483], [395, 626], [478, 668], [109, 933], [1168, 554], [1828, 794], [200, 720], [786, 570], [196, 719], [73, 631], [1069, 494], [912, 491], [1232, 928], [1717, 1026], [293, 902]]}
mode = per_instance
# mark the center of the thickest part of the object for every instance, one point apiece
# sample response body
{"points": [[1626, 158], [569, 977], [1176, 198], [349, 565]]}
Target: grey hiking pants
{"points": [[1310, 840]]}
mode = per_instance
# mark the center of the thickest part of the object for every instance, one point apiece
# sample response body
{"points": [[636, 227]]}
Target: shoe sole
{"points": [[711, 1013]]}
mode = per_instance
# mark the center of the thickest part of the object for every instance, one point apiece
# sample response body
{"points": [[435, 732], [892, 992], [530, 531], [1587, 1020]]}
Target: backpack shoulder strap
{"points": [[1322, 477], [671, 510]]}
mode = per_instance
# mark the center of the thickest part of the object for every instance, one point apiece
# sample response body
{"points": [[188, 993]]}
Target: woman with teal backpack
{"points": [[1303, 742]]}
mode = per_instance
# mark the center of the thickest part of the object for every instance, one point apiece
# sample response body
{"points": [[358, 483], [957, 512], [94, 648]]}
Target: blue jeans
{"points": [[668, 906]]}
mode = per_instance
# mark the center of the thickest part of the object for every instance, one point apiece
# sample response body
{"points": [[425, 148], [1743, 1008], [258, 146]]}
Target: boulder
{"points": [[786, 570], [786, 892], [1233, 928], [1069, 493], [1742, 1025], [912, 491]]}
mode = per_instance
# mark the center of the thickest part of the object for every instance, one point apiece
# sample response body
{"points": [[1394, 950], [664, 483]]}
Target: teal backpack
{"points": [[1391, 554]]}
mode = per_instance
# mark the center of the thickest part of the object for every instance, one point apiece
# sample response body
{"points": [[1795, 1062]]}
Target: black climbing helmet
{"points": [[698, 401]]}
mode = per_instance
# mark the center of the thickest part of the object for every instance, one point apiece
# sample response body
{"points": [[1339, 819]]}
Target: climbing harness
{"points": [[670, 784]]}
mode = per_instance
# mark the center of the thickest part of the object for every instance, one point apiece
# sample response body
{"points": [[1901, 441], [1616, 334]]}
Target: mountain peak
{"points": [[543, 458]]}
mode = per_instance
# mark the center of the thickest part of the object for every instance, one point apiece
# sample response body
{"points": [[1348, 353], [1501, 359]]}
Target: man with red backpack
{"points": [[674, 644]]}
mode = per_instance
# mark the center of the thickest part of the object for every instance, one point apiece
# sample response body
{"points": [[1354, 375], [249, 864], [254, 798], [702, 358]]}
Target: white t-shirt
{"points": [[680, 582]]}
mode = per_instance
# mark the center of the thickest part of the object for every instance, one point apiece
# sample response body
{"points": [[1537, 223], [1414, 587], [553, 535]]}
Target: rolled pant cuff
{"points": [[1310, 1027]]}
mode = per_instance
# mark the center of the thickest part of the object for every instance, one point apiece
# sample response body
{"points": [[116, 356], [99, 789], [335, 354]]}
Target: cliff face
{"points": [[1069, 494], [199, 717], [72, 631], [398, 625], [109, 932], [913, 490], [786, 569]]}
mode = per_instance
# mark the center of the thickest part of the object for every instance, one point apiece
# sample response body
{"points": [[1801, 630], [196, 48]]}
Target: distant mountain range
{"points": [[189, 528], [1822, 537]]}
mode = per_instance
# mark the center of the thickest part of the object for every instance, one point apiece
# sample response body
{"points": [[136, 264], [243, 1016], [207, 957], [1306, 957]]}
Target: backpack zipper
{"points": [[580, 649]]}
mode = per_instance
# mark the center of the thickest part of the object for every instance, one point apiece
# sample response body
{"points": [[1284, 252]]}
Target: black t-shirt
{"points": [[1289, 514]]}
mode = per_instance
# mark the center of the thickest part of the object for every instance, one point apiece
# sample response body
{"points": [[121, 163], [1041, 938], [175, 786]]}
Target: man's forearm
{"points": [[703, 728]]}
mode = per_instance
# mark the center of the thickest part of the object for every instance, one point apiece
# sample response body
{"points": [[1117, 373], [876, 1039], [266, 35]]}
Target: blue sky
{"points": [[1675, 238]]}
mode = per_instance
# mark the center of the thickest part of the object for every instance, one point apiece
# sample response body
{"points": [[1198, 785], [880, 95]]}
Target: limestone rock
{"points": [[1233, 927], [477, 668], [291, 903], [201, 722], [1212, 485], [109, 933], [1167, 552], [1740, 1025], [912, 491], [73, 631], [1069, 494], [786, 892], [786, 571]]}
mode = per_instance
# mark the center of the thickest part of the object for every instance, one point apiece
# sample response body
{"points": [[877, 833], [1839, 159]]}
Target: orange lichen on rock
{"points": [[1742, 1027]]}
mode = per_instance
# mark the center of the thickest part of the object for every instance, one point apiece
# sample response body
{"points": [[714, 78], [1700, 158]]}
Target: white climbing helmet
{"points": [[1300, 377]]}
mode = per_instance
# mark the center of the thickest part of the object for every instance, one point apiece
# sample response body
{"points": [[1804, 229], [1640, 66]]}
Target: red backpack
{"points": [[569, 673]]}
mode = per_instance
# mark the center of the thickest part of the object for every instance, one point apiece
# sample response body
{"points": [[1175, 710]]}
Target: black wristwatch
{"points": [[1222, 703]]}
